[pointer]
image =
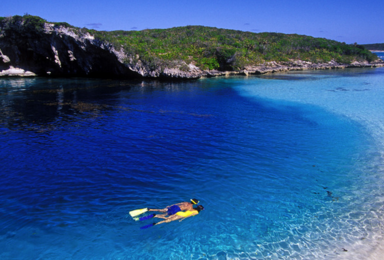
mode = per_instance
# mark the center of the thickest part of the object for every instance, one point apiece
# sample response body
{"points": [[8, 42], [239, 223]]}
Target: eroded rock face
{"points": [[4, 58], [65, 52], [58, 51], [62, 51]]}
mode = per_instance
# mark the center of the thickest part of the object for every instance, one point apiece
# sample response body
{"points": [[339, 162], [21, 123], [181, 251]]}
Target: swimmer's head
{"points": [[194, 201], [199, 208]]}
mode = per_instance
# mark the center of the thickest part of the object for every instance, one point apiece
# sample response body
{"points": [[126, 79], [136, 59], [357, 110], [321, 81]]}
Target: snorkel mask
{"points": [[199, 208]]}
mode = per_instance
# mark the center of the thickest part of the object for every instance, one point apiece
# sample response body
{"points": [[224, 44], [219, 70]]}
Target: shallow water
{"points": [[287, 166], [380, 54]]}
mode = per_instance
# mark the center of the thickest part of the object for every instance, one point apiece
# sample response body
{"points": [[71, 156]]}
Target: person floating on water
{"points": [[173, 209], [178, 211], [180, 215]]}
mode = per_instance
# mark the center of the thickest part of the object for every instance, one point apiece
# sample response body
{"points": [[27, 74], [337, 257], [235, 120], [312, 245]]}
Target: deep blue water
{"points": [[287, 166]]}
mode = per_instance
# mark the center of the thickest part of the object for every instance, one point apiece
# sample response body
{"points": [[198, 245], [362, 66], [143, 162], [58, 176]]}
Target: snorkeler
{"points": [[171, 210], [181, 215]]}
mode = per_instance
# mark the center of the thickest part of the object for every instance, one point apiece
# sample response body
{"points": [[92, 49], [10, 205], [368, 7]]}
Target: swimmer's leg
{"points": [[159, 210], [169, 219], [163, 216]]}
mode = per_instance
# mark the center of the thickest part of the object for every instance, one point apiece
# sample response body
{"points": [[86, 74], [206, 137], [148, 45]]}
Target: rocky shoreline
{"points": [[59, 51], [196, 73], [297, 65]]}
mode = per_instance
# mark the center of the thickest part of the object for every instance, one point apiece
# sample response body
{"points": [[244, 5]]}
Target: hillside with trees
{"points": [[207, 48], [374, 47]]}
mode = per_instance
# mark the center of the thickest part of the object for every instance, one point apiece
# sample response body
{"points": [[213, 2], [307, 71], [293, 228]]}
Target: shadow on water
{"points": [[35, 104]]}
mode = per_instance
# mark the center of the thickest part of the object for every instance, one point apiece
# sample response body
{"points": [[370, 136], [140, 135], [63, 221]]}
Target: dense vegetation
{"points": [[213, 48], [375, 46], [29, 22]]}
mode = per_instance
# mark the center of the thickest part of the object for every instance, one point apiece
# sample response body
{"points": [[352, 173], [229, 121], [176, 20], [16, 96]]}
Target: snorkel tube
{"points": [[194, 201]]}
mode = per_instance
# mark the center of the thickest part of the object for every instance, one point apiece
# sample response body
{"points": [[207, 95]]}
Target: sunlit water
{"points": [[287, 166], [380, 54]]}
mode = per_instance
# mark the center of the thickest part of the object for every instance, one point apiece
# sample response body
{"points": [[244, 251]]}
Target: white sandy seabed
{"points": [[357, 94]]}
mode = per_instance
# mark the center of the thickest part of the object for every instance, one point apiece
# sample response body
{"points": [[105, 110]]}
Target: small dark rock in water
{"points": [[325, 188], [329, 193]]}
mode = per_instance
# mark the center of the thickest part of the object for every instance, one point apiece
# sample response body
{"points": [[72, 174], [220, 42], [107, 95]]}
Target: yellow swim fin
{"points": [[137, 212]]}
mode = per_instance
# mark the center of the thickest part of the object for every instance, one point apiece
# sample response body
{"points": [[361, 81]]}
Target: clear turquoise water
{"points": [[380, 55], [287, 166]]}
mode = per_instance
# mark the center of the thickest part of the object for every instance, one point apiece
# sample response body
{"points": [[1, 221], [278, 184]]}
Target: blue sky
{"points": [[346, 21]]}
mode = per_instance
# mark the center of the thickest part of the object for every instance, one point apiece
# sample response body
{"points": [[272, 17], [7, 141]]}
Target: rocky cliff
{"points": [[57, 51], [64, 51]]}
